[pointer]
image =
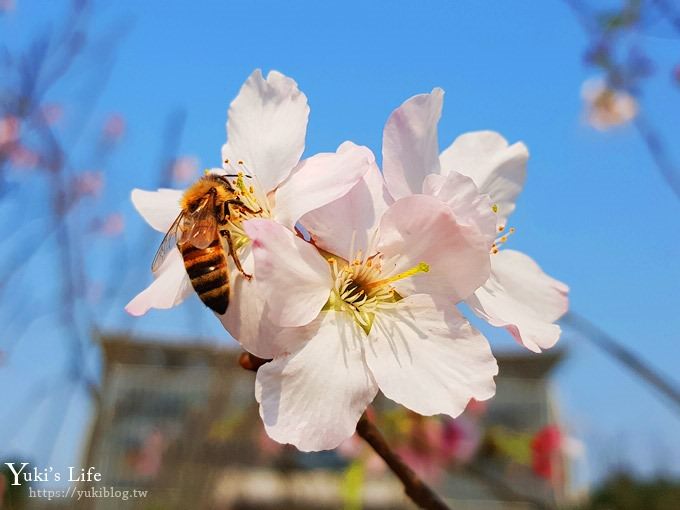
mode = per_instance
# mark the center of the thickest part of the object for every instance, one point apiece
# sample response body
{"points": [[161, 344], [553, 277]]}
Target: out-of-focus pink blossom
{"points": [[148, 459], [22, 157], [476, 408], [461, 438], [676, 74], [52, 113], [607, 107], [185, 169], [114, 128], [111, 226], [7, 6], [88, 183], [268, 447], [424, 447], [546, 447], [9, 132]]}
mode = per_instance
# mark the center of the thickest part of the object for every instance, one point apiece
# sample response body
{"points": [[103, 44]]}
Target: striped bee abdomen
{"points": [[208, 271]]}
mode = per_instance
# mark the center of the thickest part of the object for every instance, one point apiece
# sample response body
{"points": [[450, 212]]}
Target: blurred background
{"points": [[97, 98]]}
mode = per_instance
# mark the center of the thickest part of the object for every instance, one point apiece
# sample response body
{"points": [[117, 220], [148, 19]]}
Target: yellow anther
{"points": [[240, 161], [206, 171], [251, 189], [494, 250], [512, 230], [501, 228], [494, 208], [226, 161]]}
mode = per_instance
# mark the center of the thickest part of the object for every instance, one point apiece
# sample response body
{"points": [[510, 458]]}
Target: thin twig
{"points": [[649, 135], [417, 490], [616, 350]]}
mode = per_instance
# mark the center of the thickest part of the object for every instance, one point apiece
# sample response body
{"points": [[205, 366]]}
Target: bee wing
{"points": [[168, 243], [200, 227]]}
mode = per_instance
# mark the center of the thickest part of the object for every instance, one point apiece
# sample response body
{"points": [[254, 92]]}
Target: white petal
{"points": [[247, 318], [498, 169], [320, 180], [314, 397], [158, 208], [522, 298], [170, 288], [266, 127], [410, 146], [294, 278], [428, 358], [353, 217], [421, 228], [469, 206]]}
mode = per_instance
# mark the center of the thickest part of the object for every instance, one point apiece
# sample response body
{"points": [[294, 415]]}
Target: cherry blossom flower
{"points": [[88, 183], [607, 107], [9, 131], [52, 113], [110, 226], [376, 313], [266, 129], [185, 169], [479, 176], [114, 128]]}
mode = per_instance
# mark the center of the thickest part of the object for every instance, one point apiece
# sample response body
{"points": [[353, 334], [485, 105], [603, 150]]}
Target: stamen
{"points": [[351, 245], [494, 208], [420, 268], [501, 240]]}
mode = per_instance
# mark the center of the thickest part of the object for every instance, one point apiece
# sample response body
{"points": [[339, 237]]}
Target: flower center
{"points": [[362, 288], [255, 202]]}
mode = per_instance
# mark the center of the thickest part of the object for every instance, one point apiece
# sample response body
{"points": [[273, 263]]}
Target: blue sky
{"points": [[595, 213]]}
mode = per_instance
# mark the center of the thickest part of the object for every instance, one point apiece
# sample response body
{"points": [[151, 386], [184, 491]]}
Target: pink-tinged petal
{"points": [[419, 229], [314, 397], [247, 319], [468, 205], [170, 288], [158, 208], [498, 169], [320, 180], [410, 146], [266, 127], [427, 357], [522, 298], [294, 278], [353, 216]]}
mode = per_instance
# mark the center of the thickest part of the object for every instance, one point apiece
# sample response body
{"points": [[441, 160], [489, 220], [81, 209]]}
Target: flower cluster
{"points": [[353, 275]]}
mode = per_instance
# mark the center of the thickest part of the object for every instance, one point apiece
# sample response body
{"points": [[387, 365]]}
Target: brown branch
{"points": [[417, 490]]}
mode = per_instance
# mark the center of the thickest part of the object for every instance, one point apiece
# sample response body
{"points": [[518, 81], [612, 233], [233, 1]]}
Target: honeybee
{"points": [[200, 234]]}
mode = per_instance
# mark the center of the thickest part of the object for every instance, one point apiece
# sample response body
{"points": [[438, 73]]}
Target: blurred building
{"points": [[180, 422]]}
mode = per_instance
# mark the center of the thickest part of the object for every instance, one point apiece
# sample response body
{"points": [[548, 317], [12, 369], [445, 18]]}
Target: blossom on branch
{"points": [[376, 311], [266, 130], [479, 176]]}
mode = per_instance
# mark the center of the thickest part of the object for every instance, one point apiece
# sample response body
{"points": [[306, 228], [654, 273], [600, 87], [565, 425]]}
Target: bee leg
{"points": [[237, 202], [234, 256]]}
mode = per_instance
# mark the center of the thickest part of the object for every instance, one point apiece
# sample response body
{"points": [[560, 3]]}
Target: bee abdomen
{"points": [[207, 269]]}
